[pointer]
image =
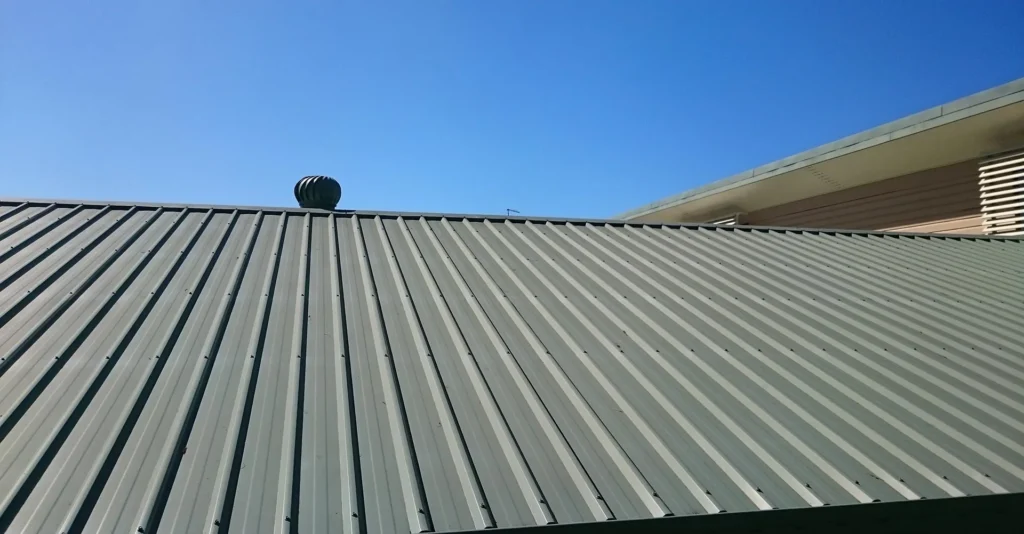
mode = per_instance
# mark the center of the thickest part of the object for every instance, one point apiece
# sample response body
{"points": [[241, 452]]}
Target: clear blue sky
{"points": [[571, 108]]}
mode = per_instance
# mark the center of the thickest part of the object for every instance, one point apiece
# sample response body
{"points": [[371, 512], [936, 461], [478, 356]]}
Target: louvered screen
{"points": [[1001, 179], [736, 218]]}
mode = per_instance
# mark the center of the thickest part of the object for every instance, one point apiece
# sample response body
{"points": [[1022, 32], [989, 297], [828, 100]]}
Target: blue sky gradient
{"points": [[579, 108]]}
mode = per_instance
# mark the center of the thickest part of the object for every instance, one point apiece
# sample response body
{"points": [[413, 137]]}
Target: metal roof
{"points": [[180, 369]]}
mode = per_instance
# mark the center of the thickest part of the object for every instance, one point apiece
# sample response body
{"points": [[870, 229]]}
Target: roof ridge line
{"points": [[497, 217]]}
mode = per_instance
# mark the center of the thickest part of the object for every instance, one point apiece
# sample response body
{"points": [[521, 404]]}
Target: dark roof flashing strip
{"points": [[985, 101], [978, 513]]}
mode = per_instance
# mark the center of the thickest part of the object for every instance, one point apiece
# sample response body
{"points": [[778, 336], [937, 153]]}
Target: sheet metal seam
{"points": [[525, 477], [775, 393], [552, 433], [828, 379], [850, 371], [472, 492], [624, 465]]}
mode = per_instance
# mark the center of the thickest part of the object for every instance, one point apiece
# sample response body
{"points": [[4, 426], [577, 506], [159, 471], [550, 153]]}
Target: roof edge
{"points": [[963, 108], [498, 217], [972, 513]]}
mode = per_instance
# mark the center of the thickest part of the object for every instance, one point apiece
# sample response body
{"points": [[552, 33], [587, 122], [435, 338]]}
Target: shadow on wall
{"points": [[942, 200]]}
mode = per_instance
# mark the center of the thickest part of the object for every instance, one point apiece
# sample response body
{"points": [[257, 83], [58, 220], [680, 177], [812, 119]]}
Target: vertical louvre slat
{"points": [[1001, 184], [734, 219]]}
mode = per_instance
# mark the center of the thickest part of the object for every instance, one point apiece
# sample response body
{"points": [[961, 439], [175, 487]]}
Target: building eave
{"points": [[981, 124]]}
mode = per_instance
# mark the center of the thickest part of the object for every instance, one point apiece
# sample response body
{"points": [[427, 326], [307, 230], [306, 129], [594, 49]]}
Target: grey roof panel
{"points": [[190, 370]]}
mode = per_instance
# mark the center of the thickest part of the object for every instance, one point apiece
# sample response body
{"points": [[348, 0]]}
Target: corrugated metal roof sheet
{"points": [[179, 369]]}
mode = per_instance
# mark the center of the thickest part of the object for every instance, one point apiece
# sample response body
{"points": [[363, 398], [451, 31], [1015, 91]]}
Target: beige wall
{"points": [[943, 200]]}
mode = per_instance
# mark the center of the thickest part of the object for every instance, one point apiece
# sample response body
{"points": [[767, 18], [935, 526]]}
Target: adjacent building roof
{"points": [[186, 369], [978, 125]]}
